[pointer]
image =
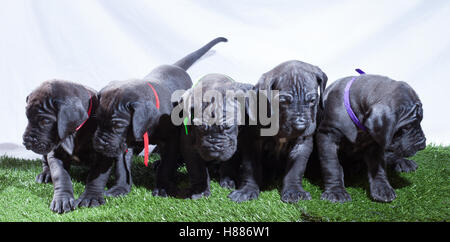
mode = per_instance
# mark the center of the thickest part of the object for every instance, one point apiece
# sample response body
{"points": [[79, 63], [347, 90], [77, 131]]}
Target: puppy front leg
{"points": [[63, 200], [380, 189], [332, 172], [292, 190], [123, 175], [228, 171], [198, 176], [250, 178], [165, 172], [45, 176], [96, 183]]}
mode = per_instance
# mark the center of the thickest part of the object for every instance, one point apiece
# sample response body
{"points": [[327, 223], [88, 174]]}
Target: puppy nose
{"points": [[29, 140], [27, 145], [422, 145], [300, 124], [100, 141]]}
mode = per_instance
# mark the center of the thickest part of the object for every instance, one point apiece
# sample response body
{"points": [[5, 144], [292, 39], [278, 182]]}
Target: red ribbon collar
{"points": [[89, 114], [146, 133]]}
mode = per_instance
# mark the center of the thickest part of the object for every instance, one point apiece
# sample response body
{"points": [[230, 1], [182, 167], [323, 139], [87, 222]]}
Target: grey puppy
{"points": [[298, 84], [60, 128], [391, 113], [216, 136], [128, 109]]}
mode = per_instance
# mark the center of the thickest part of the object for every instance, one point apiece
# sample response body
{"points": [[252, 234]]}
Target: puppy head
{"points": [[298, 96], [54, 110], [408, 136], [216, 138], [398, 129], [124, 115], [215, 115]]}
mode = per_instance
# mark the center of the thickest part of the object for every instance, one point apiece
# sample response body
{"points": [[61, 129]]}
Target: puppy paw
{"points": [[159, 192], [244, 194], [405, 165], [62, 204], [117, 190], [90, 200], [227, 183], [336, 195], [382, 192], [44, 177], [200, 195], [294, 195], [164, 192]]}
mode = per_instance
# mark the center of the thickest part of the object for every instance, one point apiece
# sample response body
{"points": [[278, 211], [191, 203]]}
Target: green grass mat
{"points": [[423, 195]]}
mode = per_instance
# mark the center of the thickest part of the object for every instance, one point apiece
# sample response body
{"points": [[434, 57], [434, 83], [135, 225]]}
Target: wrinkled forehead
{"points": [[35, 109], [107, 104], [297, 84], [39, 103], [222, 110], [410, 112], [113, 101]]}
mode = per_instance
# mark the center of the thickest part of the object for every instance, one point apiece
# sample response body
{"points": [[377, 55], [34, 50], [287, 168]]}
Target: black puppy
{"points": [[212, 135], [389, 113], [60, 127], [129, 109], [297, 83]]}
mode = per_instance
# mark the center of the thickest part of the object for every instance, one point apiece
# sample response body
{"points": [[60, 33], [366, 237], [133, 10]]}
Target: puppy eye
{"points": [[224, 127], [44, 122], [407, 127], [203, 128], [312, 98], [285, 98], [118, 126], [229, 128]]}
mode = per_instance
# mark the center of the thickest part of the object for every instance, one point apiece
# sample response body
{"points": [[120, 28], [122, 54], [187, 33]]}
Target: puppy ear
{"points": [[143, 115], [70, 115], [322, 81], [380, 124], [265, 83]]}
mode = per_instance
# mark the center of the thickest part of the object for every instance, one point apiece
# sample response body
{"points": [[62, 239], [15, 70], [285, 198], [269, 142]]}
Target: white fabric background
{"points": [[94, 42]]}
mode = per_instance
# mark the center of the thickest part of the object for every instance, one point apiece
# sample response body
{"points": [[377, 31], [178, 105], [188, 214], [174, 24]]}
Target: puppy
{"points": [[130, 109], [60, 127], [297, 83], [389, 114], [212, 135]]}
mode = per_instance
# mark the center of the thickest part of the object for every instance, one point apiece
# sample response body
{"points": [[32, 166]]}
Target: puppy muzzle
{"points": [[105, 146], [421, 144], [217, 149], [300, 124], [34, 144]]}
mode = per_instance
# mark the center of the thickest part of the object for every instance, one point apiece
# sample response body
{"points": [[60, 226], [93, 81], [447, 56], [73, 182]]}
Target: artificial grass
{"points": [[423, 195]]}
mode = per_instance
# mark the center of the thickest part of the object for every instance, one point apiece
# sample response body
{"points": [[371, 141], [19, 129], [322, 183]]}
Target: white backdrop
{"points": [[95, 42]]}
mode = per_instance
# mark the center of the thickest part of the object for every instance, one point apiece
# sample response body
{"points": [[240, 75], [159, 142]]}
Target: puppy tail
{"points": [[190, 59]]}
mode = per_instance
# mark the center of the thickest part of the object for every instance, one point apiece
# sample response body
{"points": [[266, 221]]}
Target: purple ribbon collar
{"points": [[347, 102]]}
